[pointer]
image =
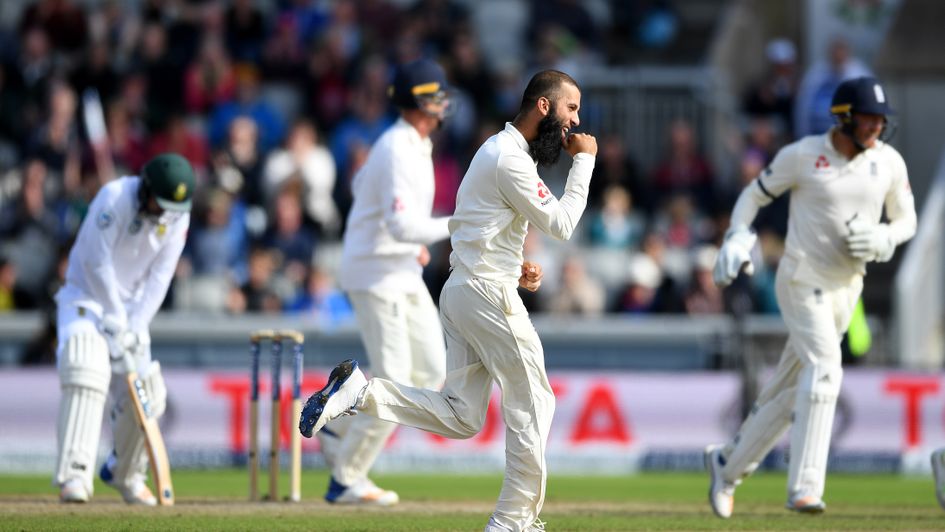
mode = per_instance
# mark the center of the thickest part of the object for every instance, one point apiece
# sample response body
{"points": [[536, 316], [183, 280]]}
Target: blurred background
{"points": [[276, 103]]}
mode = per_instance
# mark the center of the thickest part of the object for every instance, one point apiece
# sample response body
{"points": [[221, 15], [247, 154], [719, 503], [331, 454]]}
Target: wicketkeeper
{"points": [[840, 183], [384, 253], [119, 271]]}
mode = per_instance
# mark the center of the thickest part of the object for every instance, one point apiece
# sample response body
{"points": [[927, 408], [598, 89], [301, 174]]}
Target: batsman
{"points": [[840, 184], [119, 271]]}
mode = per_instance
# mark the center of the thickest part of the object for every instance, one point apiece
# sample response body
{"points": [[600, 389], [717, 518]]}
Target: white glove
{"points": [[870, 242], [120, 340], [735, 256]]}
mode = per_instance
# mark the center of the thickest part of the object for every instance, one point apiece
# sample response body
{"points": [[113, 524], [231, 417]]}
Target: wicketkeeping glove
{"points": [[735, 256], [870, 242]]}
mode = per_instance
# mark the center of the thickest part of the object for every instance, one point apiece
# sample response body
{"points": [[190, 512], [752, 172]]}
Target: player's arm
{"points": [[528, 195], [405, 220], [871, 241], [159, 278], [95, 243], [900, 205], [735, 254]]}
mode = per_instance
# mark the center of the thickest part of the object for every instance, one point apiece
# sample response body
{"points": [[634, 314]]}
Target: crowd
{"points": [[275, 107]]}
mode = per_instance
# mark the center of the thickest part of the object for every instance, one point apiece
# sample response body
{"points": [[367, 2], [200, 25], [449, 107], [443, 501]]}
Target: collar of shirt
{"points": [[414, 136], [869, 154], [519, 138]]}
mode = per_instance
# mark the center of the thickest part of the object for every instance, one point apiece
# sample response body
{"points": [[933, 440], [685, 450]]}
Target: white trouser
{"points": [[404, 343], [805, 385], [489, 337]]}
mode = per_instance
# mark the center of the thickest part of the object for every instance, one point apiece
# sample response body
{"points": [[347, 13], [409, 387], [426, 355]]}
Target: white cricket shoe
{"points": [[938, 471], [339, 397], [73, 491], [137, 492], [364, 492], [806, 505], [721, 492], [493, 526]]}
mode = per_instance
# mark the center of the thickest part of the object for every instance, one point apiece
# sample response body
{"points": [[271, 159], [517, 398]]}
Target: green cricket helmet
{"points": [[170, 179]]}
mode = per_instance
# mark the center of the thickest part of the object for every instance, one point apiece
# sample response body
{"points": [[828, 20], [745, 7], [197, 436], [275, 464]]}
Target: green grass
{"points": [[215, 500]]}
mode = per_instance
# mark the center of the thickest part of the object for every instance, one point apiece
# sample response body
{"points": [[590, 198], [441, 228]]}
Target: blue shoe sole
{"points": [[316, 403]]}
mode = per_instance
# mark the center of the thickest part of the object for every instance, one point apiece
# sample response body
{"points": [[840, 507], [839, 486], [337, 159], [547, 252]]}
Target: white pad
{"points": [[84, 375], [764, 426], [818, 386], [131, 455]]}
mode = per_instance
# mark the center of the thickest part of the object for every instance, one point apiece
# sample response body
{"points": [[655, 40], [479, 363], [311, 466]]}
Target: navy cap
{"points": [[860, 95], [416, 79]]}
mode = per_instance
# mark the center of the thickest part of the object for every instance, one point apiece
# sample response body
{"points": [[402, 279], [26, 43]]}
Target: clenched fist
{"points": [[577, 143], [531, 276]]}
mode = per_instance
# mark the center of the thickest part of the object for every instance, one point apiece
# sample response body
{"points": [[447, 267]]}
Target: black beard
{"points": [[546, 148]]}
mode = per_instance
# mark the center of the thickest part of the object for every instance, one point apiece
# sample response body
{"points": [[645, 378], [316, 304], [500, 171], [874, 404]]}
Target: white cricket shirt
{"points": [[122, 262], [827, 192], [499, 196], [390, 218]]}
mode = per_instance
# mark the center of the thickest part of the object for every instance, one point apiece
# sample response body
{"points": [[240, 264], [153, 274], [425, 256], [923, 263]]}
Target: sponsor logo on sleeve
{"points": [[544, 194], [105, 219], [398, 205], [822, 162]]}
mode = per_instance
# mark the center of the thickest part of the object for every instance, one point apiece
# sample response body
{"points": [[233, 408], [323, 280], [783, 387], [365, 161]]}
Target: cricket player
{"points": [[382, 262], [119, 270], [490, 337], [938, 472], [840, 182]]}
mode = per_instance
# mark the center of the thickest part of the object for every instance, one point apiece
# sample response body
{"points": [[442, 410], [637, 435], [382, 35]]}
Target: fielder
{"points": [[490, 337], [119, 271], [938, 472], [840, 182], [383, 256]]}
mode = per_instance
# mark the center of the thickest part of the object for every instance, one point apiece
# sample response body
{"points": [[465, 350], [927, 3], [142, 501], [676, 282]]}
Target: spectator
{"points": [[31, 77], [95, 71], [126, 139], [177, 137], [321, 301], [617, 225], [163, 76], [12, 296], [217, 245], [245, 30], [271, 127], [283, 55], [62, 20], [568, 15], [28, 232], [812, 111], [703, 296], [294, 242], [258, 292], [684, 169], [305, 157], [579, 294], [209, 80], [56, 141], [773, 95], [643, 280], [616, 167], [238, 166]]}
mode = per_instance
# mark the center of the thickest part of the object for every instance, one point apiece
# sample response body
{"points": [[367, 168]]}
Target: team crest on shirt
{"points": [[161, 229], [105, 219], [135, 226]]}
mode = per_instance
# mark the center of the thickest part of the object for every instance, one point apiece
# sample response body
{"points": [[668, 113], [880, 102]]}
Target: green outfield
{"points": [[215, 500]]}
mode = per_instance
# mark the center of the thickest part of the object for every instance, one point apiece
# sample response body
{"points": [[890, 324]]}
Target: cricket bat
{"points": [[160, 465]]}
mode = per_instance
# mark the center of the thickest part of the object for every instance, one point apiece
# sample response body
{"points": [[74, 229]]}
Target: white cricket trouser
{"points": [[488, 337], [805, 385], [404, 343]]}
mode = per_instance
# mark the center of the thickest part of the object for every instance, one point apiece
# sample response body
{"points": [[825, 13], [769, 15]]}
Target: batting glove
{"points": [[120, 340], [735, 256], [870, 242]]}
